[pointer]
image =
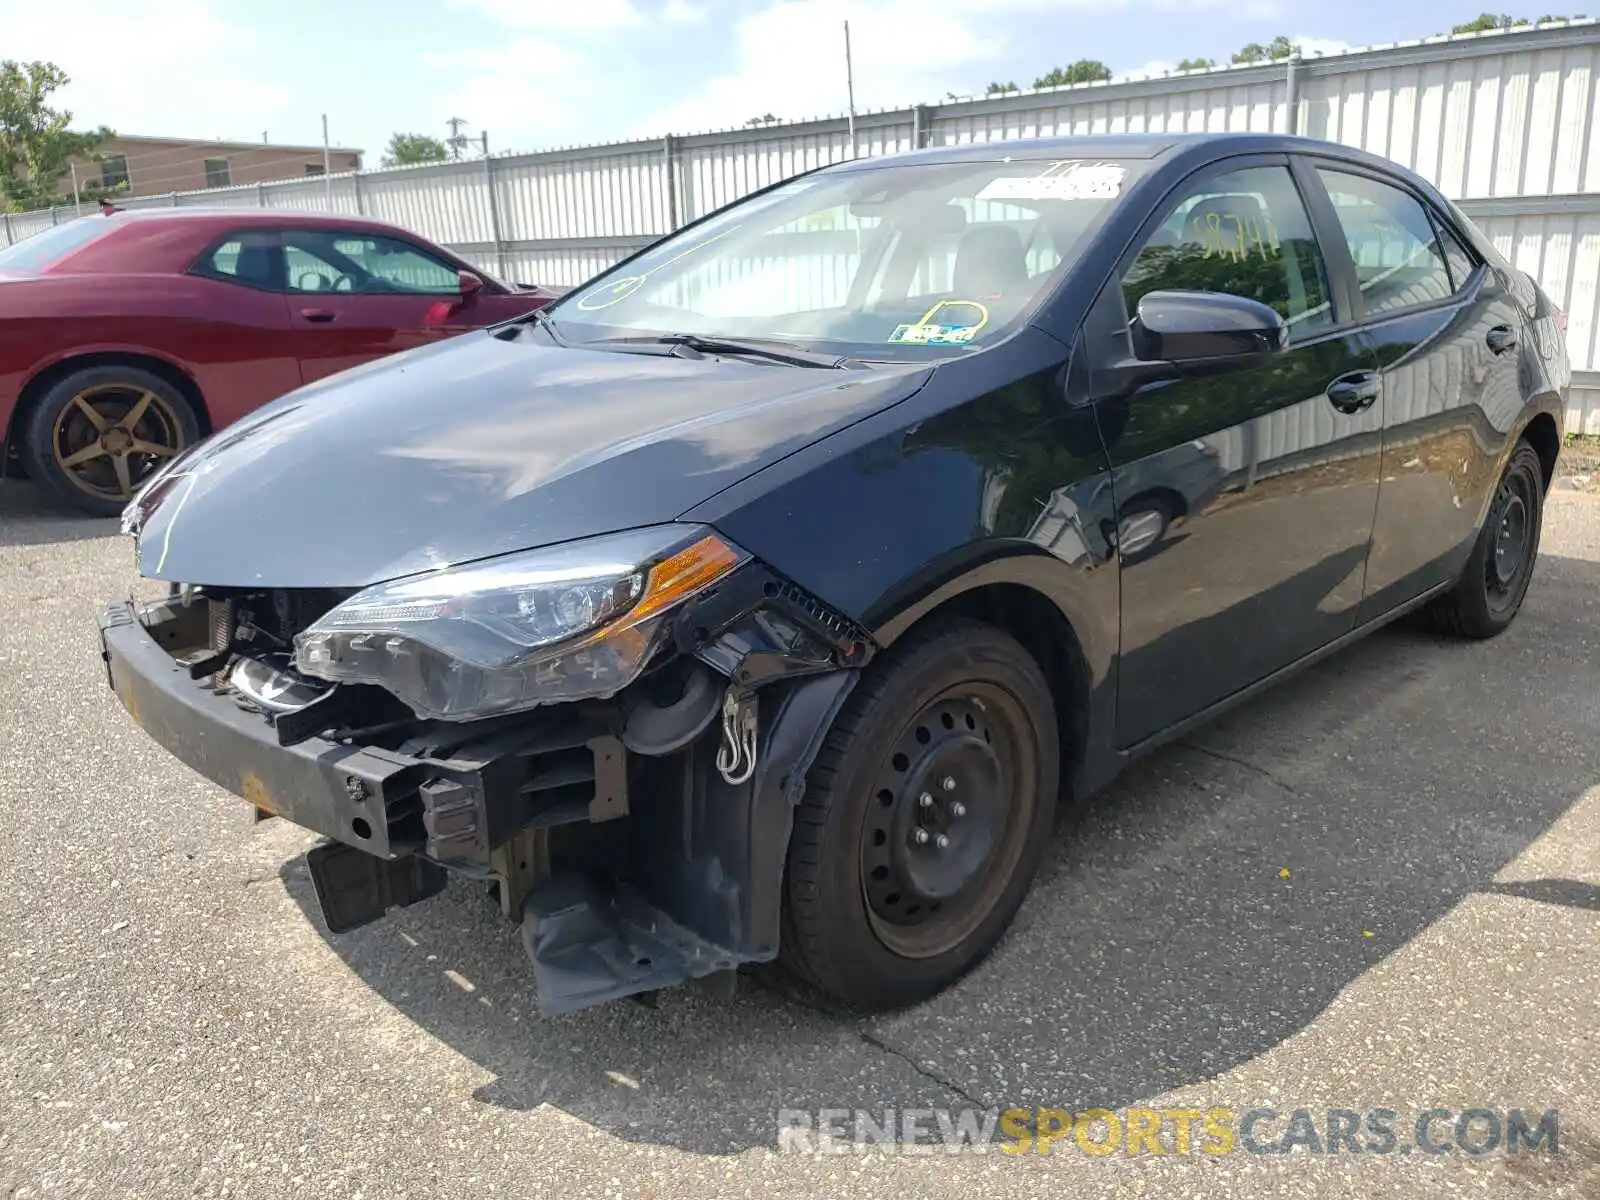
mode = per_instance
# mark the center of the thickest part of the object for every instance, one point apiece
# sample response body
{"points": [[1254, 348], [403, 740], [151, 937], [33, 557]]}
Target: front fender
{"points": [[985, 478]]}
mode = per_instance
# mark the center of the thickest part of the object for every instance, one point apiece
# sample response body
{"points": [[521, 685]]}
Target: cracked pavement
{"points": [[1378, 884]]}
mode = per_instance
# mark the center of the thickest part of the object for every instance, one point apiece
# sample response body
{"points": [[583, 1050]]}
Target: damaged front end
{"points": [[639, 832]]}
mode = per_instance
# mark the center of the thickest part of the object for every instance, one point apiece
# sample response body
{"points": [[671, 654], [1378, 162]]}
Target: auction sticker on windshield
{"points": [[933, 335], [1073, 180]]}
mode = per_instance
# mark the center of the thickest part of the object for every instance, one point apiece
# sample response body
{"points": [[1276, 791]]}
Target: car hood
{"points": [[479, 446]]}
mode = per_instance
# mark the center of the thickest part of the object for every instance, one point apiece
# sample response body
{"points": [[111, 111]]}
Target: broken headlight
{"points": [[570, 622]]}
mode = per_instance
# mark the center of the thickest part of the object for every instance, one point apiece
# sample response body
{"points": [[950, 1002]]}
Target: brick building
{"points": [[155, 165]]}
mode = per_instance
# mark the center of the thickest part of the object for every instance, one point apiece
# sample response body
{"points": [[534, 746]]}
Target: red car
{"points": [[126, 336]]}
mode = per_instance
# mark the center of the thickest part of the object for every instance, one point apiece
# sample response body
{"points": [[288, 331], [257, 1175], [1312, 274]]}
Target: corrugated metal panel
{"points": [[1510, 124], [1252, 99], [1583, 405], [1562, 251], [715, 170], [596, 196]]}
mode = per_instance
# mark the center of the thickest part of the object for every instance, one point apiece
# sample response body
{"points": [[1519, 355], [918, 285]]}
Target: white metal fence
{"points": [[1507, 123]]}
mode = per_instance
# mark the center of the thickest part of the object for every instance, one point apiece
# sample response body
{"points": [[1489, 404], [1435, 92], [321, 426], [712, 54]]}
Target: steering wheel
{"points": [[344, 284]]}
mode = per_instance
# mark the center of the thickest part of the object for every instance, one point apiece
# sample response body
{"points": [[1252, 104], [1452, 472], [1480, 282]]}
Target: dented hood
{"points": [[480, 446]]}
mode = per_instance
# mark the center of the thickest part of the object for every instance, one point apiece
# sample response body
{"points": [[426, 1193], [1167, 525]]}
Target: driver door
{"points": [[1245, 497], [355, 296]]}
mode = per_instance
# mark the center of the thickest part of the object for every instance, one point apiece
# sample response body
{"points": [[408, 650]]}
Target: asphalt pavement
{"points": [[1377, 886]]}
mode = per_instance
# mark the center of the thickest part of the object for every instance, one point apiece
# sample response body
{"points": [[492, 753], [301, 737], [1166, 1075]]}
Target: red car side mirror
{"points": [[471, 284]]}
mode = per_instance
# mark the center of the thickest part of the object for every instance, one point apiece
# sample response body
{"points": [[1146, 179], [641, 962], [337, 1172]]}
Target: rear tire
{"points": [[924, 819], [1495, 580], [99, 432]]}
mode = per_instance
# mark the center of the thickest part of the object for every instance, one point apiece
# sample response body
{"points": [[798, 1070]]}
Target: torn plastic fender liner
{"points": [[709, 891]]}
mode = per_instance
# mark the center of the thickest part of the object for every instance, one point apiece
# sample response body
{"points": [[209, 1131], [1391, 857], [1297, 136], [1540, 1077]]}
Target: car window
{"points": [[42, 249], [401, 267], [1001, 225], [363, 264], [1461, 263], [1391, 240], [249, 256], [1243, 232], [894, 262]]}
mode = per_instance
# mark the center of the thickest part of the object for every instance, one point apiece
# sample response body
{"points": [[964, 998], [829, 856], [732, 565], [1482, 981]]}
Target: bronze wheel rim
{"points": [[109, 438]]}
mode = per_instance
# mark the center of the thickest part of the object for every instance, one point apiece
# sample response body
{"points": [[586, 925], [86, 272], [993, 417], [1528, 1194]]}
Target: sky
{"points": [[536, 74]]}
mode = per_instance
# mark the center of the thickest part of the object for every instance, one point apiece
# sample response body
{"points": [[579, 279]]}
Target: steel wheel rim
{"points": [[109, 438], [924, 898], [1511, 528]]}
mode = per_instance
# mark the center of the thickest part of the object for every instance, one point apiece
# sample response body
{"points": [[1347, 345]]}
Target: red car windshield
{"points": [[42, 249]]}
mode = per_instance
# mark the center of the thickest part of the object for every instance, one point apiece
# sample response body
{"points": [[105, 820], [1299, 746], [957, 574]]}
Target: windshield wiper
{"points": [[770, 349], [537, 317]]}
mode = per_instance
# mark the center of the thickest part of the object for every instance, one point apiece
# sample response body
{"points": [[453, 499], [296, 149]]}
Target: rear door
{"points": [[355, 296], [1444, 332], [1244, 498]]}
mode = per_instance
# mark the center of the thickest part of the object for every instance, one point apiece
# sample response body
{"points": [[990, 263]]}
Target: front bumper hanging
{"points": [[687, 885]]}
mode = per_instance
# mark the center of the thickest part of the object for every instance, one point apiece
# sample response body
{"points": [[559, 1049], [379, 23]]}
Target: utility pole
{"points": [[457, 141], [76, 203], [484, 137], [327, 162], [850, 84]]}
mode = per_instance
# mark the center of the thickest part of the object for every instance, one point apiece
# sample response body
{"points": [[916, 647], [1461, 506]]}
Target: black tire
{"points": [[1490, 592], [874, 940], [60, 429]]}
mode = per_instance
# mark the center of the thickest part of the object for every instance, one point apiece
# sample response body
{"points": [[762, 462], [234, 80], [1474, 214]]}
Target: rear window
{"points": [[43, 249]]}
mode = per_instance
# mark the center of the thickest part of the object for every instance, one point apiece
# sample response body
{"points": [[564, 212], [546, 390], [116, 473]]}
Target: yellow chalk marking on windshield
{"points": [[983, 313], [614, 292]]}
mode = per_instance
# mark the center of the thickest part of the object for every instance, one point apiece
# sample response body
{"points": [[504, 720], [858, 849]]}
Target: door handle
{"points": [[322, 315], [1501, 338], [1355, 391]]}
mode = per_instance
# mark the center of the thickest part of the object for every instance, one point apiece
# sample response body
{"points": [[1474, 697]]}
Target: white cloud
{"points": [[125, 58], [515, 90], [579, 16], [789, 60], [789, 55], [683, 12], [1311, 47]]}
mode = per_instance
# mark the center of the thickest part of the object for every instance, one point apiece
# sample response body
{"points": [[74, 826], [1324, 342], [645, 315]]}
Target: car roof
{"points": [[243, 217], [1119, 145]]}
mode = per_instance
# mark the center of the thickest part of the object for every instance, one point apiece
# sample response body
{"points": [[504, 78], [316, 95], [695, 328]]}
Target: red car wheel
{"points": [[96, 435]]}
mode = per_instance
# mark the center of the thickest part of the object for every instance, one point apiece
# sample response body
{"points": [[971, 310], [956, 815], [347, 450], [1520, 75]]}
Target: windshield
{"points": [[42, 249], [897, 261]]}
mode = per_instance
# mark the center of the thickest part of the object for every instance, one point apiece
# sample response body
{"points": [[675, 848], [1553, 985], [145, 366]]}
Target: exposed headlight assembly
{"points": [[570, 622]]}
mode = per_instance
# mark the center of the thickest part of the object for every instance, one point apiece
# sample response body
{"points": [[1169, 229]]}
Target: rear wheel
{"points": [[1490, 592], [924, 819], [97, 434]]}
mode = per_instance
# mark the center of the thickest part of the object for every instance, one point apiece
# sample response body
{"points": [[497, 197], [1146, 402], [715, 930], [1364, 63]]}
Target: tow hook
{"points": [[736, 757]]}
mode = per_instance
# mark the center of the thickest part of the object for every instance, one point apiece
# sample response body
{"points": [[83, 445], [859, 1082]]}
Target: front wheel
{"points": [[924, 819], [1490, 592]]}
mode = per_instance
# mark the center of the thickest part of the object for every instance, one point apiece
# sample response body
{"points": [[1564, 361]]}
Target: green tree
{"points": [[407, 149], [1000, 89], [1195, 64], [1279, 47], [1085, 70], [763, 119], [1484, 22], [36, 145]]}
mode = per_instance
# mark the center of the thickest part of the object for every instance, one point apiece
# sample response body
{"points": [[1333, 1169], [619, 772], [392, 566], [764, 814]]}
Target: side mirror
{"points": [[1206, 327], [471, 284]]}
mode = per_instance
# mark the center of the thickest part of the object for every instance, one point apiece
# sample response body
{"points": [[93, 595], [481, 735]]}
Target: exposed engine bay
{"points": [[640, 837]]}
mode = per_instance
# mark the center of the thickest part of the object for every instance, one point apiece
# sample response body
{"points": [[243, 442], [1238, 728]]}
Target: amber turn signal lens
{"points": [[682, 574]]}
